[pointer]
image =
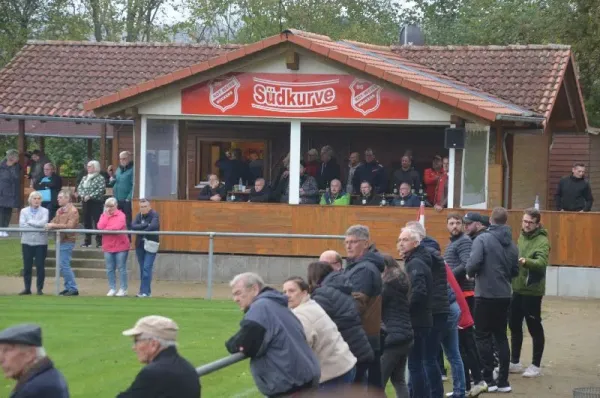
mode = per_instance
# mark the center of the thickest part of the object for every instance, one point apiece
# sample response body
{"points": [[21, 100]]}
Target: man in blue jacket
{"points": [[23, 359], [270, 334], [371, 171]]}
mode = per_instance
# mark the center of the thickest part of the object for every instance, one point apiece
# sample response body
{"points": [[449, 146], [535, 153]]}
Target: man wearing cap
{"points": [[281, 361], [475, 224], [166, 374], [23, 358]]}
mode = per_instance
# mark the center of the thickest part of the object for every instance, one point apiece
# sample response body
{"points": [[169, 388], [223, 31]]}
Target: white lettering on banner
{"points": [[224, 93], [292, 97], [366, 96]]}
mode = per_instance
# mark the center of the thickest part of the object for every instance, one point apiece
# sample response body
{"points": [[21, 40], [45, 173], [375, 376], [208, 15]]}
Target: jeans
{"points": [[491, 318], [146, 262], [5, 216], [346, 378], [114, 261], [393, 367], [530, 309], [432, 349], [450, 345], [419, 385], [92, 210], [31, 253], [66, 252]]}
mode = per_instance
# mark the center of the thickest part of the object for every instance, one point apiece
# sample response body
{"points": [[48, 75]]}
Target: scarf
{"points": [[88, 178]]}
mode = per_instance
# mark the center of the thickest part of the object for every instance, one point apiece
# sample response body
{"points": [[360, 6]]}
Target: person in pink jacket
{"points": [[115, 247]]}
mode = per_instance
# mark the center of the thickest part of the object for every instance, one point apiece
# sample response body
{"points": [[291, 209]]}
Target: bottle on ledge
{"points": [[383, 201], [395, 189], [536, 204], [232, 197], [240, 186], [402, 202], [327, 188]]}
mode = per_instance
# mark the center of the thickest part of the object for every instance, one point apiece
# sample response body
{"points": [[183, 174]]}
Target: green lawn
{"points": [[83, 337], [11, 261]]}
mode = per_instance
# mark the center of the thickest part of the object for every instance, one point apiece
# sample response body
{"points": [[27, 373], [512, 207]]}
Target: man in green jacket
{"points": [[122, 185], [336, 196], [528, 289]]}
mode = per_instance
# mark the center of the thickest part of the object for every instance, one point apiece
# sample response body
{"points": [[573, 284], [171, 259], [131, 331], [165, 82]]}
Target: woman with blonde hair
{"points": [[322, 335], [115, 247], [34, 244], [91, 190]]}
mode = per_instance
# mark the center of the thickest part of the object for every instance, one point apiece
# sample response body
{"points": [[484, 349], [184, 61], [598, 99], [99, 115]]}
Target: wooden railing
{"points": [[574, 237]]}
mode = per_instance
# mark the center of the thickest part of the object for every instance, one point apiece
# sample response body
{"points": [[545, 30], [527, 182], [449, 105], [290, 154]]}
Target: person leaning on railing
{"points": [[146, 246], [34, 244], [91, 189], [115, 247]]}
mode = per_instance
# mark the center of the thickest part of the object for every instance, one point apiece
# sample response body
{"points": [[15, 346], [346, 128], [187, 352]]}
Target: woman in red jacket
{"points": [[115, 247]]}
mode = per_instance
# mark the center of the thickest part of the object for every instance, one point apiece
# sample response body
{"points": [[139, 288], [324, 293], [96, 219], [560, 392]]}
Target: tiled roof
{"points": [[378, 62], [54, 78], [526, 75]]}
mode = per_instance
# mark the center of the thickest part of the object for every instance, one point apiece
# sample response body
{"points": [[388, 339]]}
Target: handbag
{"points": [[150, 246], [46, 195]]}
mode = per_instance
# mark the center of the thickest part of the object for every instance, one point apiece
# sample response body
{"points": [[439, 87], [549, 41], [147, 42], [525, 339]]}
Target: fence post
{"points": [[57, 256], [209, 276]]}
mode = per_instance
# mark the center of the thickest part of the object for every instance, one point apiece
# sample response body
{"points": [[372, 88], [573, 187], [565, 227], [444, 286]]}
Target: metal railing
{"points": [[211, 243], [220, 364]]}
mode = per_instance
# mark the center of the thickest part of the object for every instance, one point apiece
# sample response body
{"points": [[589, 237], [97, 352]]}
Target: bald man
{"points": [[333, 258]]}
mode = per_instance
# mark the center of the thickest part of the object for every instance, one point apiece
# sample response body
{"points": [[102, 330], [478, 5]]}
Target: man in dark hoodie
{"points": [[440, 309], [407, 174], [364, 266], [371, 171], [493, 263], [417, 262], [574, 192], [270, 334]]}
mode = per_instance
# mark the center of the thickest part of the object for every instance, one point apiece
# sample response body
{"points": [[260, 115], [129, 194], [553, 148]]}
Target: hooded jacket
{"points": [[122, 184], [535, 248], [342, 199], [418, 268], [395, 311], [574, 194], [439, 303], [364, 274], [334, 295], [10, 185], [494, 262], [456, 256], [112, 243], [281, 361]]}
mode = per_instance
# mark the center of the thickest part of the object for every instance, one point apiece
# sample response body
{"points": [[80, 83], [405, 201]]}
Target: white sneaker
{"points": [[444, 378], [121, 293], [532, 371], [477, 389], [142, 295], [3, 234], [449, 394], [515, 368], [496, 373], [111, 293]]}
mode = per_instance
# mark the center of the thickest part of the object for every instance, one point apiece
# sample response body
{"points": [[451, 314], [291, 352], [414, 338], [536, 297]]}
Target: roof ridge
{"points": [[308, 35], [491, 47], [128, 44], [369, 46]]}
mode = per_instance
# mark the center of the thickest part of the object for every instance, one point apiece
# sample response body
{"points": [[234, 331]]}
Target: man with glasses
{"points": [[166, 374], [364, 265], [529, 288], [122, 185], [333, 258]]}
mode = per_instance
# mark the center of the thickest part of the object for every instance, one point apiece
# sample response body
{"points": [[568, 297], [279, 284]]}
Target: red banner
{"points": [[294, 96]]}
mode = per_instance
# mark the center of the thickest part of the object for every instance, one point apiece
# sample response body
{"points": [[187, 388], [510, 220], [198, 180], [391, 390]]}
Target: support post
{"points": [[182, 167], [57, 258], [295, 137], [103, 156], [451, 171], [42, 144], [90, 149], [22, 148], [115, 145], [209, 273], [140, 142]]}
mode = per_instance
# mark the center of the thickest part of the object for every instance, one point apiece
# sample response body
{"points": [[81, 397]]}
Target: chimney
{"points": [[411, 35]]}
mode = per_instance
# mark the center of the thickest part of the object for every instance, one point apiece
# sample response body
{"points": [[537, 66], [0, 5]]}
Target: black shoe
{"points": [[98, 245], [25, 293], [86, 245], [63, 292], [40, 293], [72, 293]]}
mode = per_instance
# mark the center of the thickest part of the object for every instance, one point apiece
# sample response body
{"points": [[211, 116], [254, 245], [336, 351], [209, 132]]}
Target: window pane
{"points": [[475, 162], [161, 159]]}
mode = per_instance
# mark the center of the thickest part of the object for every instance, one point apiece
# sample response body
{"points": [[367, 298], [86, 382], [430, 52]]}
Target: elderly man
{"points": [[364, 266], [214, 190], [281, 361], [166, 374], [332, 258], [10, 186], [260, 193], [329, 169], [336, 196], [417, 261], [23, 358], [494, 262], [367, 196], [353, 164], [406, 198], [122, 185]]}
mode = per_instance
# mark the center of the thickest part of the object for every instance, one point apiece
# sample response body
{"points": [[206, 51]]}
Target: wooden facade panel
{"points": [[573, 235], [594, 169], [566, 149], [494, 185]]}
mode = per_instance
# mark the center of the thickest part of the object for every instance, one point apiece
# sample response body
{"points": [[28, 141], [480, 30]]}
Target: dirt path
{"points": [[571, 358]]}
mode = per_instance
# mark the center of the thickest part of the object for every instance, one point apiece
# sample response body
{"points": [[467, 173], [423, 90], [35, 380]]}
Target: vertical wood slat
{"points": [[103, 156], [22, 148]]}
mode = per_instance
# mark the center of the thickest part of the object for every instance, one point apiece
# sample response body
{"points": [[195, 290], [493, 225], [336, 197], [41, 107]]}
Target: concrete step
{"points": [[90, 263], [81, 253], [79, 273]]}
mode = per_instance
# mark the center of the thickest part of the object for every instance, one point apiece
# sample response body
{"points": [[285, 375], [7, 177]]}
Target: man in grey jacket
{"points": [[493, 263], [281, 361]]}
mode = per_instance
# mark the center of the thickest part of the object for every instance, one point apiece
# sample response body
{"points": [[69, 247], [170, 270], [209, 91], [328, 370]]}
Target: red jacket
{"points": [[466, 320], [116, 222], [430, 179]]}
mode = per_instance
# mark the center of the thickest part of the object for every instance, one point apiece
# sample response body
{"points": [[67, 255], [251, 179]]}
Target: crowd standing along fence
{"points": [[210, 235]]}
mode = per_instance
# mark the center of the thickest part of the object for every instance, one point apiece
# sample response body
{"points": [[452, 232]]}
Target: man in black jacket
{"points": [[329, 169], [474, 224], [371, 171], [407, 174], [417, 262], [574, 192], [367, 196], [214, 190], [259, 193]]}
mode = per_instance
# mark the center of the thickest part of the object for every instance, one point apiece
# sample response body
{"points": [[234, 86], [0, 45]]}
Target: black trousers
{"points": [[530, 309], [33, 254], [5, 215], [125, 207], [92, 210], [51, 209], [491, 318], [470, 356]]}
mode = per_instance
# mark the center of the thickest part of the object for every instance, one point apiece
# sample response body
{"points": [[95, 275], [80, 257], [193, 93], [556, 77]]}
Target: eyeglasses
{"points": [[353, 242]]}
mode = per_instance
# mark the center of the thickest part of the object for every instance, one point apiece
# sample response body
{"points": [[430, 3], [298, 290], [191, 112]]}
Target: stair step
{"points": [[79, 273], [92, 263], [90, 253]]}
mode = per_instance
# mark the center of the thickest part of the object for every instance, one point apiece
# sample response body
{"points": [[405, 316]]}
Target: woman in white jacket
{"points": [[34, 244], [322, 335]]}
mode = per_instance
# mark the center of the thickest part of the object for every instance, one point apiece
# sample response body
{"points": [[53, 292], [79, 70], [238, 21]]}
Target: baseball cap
{"points": [[154, 325], [473, 217]]}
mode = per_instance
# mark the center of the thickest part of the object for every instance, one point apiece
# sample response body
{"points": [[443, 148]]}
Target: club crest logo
{"points": [[366, 96], [224, 93]]}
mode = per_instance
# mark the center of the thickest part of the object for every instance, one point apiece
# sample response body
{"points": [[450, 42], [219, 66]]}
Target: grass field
{"points": [[11, 260], [83, 337]]}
